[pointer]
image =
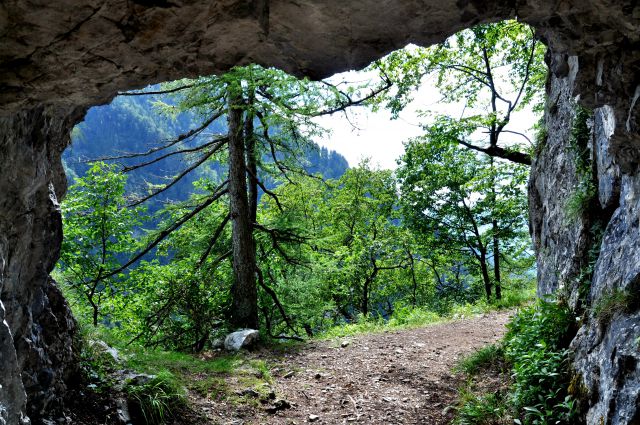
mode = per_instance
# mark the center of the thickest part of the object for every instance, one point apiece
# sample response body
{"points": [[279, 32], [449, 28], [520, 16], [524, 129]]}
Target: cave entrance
{"points": [[157, 267], [53, 70]]}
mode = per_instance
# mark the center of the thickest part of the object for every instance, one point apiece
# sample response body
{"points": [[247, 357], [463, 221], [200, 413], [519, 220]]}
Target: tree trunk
{"points": [[244, 304], [413, 279], [496, 260], [365, 298], [485, 274], [252, 160], [494, 231]]}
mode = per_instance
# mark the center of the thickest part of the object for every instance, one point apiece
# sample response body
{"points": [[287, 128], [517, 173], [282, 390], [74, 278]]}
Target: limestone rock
{"points": [[606, 356], [560, 241], [104, 348], [122, 411], [241, 339]]}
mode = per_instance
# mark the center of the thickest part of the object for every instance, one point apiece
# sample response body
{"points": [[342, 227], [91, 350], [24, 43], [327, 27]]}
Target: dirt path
{"points": [[401, 377]]}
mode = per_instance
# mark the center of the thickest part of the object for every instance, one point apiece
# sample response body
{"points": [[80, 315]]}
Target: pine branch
{"points": [[170, 143], [166, 232], [128, 169], [179, 177], [213, 240]]}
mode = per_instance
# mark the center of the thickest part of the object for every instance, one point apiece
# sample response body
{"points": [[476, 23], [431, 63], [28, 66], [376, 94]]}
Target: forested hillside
{"points": [[131, 124]]}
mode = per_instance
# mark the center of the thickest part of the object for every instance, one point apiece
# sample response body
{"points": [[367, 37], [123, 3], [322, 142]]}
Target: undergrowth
{"points": [[536, 350], [157, 399], [406, 317], [160, 392], [614, 302], [489, 356]]}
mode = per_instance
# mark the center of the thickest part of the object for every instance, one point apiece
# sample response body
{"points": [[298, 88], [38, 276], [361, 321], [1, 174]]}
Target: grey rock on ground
{"points": [[241, 339]]}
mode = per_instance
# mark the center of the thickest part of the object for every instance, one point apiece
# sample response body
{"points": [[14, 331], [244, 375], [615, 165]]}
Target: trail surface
{"points": [[400, 377]]}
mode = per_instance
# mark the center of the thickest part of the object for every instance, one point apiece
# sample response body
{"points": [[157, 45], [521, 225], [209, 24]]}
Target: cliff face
{"points": [[58, 58], [585, 222], [37, 328]]}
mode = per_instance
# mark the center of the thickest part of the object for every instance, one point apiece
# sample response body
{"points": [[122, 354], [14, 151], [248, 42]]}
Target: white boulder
{"points": [[240, 339]]}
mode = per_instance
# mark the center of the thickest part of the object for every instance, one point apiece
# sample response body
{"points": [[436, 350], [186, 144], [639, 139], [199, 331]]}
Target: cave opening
{"points": [[52, 71]]}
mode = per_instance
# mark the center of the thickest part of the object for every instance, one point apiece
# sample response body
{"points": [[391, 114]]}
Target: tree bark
{"points": [[252, 160], [244, 304], [485, 274], [494, 231], [496, 259]]}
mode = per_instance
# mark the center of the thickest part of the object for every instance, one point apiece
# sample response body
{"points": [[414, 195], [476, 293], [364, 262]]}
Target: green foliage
{"points": [[98, 232], [482, 359], [157, 399], [177, 299], [406, 318], [489, 409], [410, 317], [536, 344], [580, 137], [614, 302], [453, 198], [535, 349], [584, 196], [541, 137], [459, 66], [152, 360]]}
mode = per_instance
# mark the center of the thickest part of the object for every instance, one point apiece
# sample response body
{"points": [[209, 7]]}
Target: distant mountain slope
{"points": [[131, 124]]}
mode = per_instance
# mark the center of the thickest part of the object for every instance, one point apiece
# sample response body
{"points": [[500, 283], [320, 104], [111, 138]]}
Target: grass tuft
{"points": [[614, 302], [157, 399], [489, 409], [485, 358]]}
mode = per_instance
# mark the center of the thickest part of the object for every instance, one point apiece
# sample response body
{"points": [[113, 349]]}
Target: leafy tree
{"points": [[269, 123], [98, 233], [354, 238], [177, 299], [364, 233], [493, 69], [463, 203]]}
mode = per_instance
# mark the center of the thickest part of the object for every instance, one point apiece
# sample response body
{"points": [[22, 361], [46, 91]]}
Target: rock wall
{"points": [[58, 58], [37, 328], [591, 256]]}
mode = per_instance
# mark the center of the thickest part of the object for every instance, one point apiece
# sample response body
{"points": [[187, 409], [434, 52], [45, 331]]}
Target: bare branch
{"points": [[178, 177], [265, 190], [498, 152], [275, 299], [518, 134], [177, 152], [213, 240], [349, 102], [170, 143], [147, 93]]}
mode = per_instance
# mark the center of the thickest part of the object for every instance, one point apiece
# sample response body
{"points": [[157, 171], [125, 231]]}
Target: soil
{"points": [[401, 377]]}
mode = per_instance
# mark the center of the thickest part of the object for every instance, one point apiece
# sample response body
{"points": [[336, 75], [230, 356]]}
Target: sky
{"points": [[375, 135]]}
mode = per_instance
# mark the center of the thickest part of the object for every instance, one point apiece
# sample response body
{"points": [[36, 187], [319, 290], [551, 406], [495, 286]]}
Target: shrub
{"points": [[482, 359], [490, 409], [156, 399], [536, 344]]}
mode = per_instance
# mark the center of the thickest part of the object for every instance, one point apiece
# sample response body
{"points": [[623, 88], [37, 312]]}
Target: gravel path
{"points": [[402, 377]]}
